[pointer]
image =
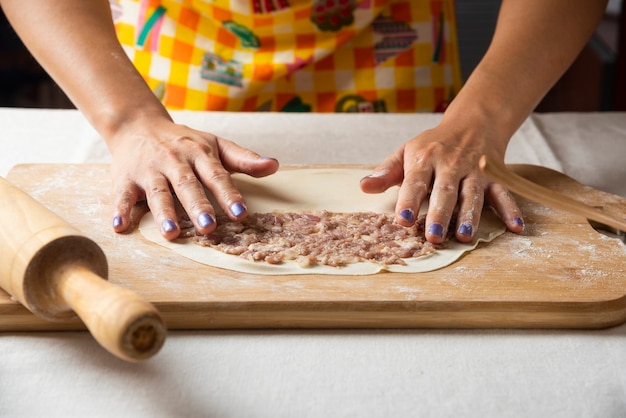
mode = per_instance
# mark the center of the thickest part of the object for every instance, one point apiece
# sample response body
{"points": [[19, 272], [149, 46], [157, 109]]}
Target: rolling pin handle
{"points": [[120, 320]]}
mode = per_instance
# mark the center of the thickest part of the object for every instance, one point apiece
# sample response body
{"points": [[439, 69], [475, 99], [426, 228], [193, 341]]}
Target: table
{"points": [[325, 373]]}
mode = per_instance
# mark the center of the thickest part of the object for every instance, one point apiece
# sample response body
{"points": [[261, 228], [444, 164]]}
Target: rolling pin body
{"points": [[57, 273]]}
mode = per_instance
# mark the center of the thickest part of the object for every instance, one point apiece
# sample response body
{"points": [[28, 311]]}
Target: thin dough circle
{"points": [[315, 189]]}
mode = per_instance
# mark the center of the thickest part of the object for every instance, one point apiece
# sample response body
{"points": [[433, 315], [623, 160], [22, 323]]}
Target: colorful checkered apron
{"points": [[294, 55]]}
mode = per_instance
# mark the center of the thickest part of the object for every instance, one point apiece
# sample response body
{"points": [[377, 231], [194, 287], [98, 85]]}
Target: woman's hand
{"points": [[444, 163], [155, 160], [534, 43]]}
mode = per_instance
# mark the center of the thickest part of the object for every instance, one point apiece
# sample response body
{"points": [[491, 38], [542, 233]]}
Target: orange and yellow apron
{"points": [[294, 55]]}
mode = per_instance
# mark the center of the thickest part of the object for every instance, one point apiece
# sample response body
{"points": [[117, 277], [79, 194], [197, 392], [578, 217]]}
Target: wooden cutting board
{"points": [[560, 273]]}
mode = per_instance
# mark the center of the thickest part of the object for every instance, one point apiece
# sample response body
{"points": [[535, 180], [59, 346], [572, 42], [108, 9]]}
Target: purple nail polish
{"points": [[205, 220], [407, 215], [237, 209], [466, 229], [117, 221], [168, 225], [436, 229], [519, 221]]}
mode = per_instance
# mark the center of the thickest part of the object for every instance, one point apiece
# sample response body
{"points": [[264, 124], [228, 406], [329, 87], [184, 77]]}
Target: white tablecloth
{"points": [[321, 373]]}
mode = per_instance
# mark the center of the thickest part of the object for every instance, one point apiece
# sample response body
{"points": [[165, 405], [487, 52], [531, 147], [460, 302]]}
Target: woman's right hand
{"points": [[154, 159]]}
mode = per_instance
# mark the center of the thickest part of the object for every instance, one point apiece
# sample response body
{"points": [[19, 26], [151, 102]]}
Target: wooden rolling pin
{"points": [[57, 273]]}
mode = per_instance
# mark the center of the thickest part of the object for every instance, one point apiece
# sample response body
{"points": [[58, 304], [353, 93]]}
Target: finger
{"points": [[413, 192], [443, 199], [501, 200], [389, 173], [193, 198], [126, 197], [161, 204], [220, 184], [471, 199], [237, 159]]}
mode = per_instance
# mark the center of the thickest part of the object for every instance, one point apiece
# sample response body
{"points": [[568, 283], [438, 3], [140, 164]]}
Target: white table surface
{"points": [[323, 373]]}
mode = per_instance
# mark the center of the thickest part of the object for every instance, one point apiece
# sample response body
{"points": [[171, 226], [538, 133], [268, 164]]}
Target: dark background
{"points": [[595, 82]]}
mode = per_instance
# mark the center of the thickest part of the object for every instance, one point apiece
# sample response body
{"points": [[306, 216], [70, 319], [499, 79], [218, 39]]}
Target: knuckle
{"points": [[418, 185], [198, 205], [506, 197], [186, 180], [197, 142], [473, 187], [446, 188], [181, 139], [474, 190], [157, 191], [165, 156], [124, 195], [218, 175]]}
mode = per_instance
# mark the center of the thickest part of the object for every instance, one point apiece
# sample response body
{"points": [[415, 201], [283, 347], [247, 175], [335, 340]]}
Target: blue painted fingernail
{"points": [[466, 229], [237, 209], [436, 229], [168, 225], [205, 220], [519, 221], [407, 215], [117, 221]]}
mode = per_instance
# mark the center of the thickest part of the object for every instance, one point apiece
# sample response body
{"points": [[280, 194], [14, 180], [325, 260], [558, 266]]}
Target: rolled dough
{"points": [[313, 189]]}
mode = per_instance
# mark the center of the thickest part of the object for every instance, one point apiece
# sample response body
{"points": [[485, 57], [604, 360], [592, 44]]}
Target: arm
{"points": [[534, 43], [75, 41]]}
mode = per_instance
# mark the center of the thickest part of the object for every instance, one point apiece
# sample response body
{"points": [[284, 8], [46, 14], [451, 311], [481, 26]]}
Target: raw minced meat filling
{"points": [[327, 238]]}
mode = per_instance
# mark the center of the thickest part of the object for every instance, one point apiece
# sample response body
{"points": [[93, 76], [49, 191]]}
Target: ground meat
{"points": [[328, 238]]}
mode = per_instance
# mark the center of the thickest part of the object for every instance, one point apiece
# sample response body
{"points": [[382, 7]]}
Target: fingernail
{"points": [[237, 209], [407, 215], [117, 221], [519, 221], [375, 174], [436, 229], [168, 225], [205, 220], [466, 229]]}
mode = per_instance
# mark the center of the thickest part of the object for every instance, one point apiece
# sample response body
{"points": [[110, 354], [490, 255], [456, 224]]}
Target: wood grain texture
{"points": [[560, 273], [57, 273]]}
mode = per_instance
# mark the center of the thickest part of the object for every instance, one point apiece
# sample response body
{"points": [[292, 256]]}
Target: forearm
{"points": [[534, 43], [75, 42]]}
